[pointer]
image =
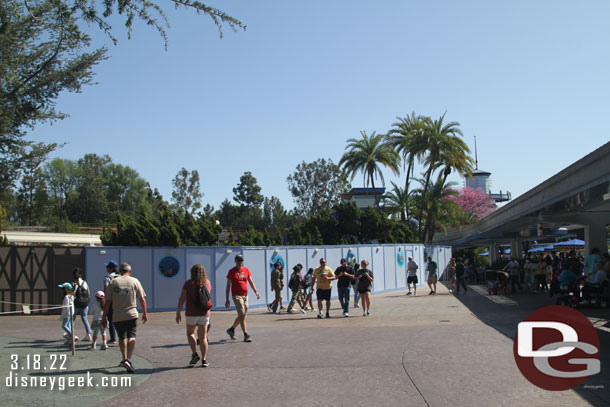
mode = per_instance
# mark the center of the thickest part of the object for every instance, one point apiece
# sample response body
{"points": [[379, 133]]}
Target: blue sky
{"points": [[529, 79]]}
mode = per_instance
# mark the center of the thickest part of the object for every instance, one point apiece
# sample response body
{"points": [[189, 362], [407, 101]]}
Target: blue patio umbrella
{"points": [[573, 242]]}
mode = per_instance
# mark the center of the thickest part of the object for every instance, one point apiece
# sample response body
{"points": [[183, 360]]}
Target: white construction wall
{"points": [[163, 270]]}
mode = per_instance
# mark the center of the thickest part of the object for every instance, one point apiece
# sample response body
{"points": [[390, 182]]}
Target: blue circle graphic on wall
{"points": [[274, 259], [169, 266], [351, 258], [400, 258]]}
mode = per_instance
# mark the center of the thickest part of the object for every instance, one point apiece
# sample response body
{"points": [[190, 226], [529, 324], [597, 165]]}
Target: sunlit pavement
{"points": [[424, 350]]}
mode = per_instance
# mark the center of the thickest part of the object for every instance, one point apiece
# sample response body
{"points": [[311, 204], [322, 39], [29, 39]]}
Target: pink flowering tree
{"points": [[475, 203]]}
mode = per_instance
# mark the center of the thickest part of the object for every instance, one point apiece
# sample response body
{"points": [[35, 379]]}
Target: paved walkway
{"points": [[412, 351]]}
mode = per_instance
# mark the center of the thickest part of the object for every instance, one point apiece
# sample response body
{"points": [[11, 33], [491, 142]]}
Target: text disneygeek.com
{"points": [[61, 383]]}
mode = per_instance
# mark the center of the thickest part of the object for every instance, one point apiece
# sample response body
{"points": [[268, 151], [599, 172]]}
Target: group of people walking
{"points": [[115, 308], [359, 278]]}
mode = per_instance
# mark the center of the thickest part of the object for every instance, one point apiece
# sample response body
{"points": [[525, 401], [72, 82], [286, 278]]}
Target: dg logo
{"points": [[556, 348]]}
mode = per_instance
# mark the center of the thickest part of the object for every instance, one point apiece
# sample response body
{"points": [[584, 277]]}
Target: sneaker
{"points": [[409, 293], [87, 338], [247, 338], [205, 363], [281, 307], [104, 347], [303, 311], [128, 366], [414, 293], [111, 342], [76, 339], [269, 307], [364, 314], [356, 306], [327, 315], [306, 308], [431, 292], [320, 316], [368, 313], [93, 347], [194, 359], [231, 333], [122, 364], [277, 312], [346, 315]]}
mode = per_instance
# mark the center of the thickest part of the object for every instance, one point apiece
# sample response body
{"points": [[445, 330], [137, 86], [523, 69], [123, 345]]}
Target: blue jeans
{"points": [[83, 314], [65, 324], [344, 297]]}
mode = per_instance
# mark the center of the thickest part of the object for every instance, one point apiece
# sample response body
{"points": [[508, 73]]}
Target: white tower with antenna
{"points": [[481, 179]]}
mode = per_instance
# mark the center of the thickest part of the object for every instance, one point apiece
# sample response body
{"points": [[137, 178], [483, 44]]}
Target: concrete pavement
{"points": [[412, 351]]}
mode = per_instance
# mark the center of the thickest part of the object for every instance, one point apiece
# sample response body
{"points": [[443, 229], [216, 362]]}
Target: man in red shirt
{"points": [[237, 281]]}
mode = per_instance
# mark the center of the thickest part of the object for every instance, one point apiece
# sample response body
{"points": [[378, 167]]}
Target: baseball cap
{"points": [[99, 294], [111, 264], [67, 286], [239, 257]]}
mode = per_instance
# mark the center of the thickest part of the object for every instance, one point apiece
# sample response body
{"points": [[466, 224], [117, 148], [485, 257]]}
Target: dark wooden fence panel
{"points": [[30, 275]]}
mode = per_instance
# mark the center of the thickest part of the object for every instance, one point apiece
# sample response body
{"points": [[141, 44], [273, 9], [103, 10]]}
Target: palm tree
{"points": [[407, 137], [397, 201], [440, 138], [456, 157], [367, 155], [439, 211]]}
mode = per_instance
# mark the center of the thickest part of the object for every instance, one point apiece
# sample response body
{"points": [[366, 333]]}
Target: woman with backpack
{"points": [[295, 282], [196, 293], [82, 296]]}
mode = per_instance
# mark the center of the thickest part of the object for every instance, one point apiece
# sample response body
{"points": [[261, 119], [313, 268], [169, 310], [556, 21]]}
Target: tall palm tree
{"points": [[407, 137], [367, 155], [397, 201], [456, 157], [439, 211], [440, 138]]}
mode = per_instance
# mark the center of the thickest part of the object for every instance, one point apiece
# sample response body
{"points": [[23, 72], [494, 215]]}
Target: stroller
{"points": [[499, 285]]}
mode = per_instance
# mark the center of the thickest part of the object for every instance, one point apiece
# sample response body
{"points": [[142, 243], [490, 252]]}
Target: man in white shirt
{"points": [[412, 276]]}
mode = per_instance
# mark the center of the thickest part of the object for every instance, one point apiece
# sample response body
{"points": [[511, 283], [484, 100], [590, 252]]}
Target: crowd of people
{"points": [[115, 308], [357, 278], [560, 273]]}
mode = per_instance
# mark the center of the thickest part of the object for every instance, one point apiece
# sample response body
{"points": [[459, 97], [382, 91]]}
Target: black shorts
{"points": [[412, 279], [323, 294], [126, 328]]}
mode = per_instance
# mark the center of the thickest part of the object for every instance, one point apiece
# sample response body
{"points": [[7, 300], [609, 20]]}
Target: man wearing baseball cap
{"points": [[237, 283], [122, 296], [111, 269]]}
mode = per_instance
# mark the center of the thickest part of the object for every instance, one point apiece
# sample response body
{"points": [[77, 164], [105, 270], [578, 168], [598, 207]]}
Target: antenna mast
{"points": [[476, 159]]}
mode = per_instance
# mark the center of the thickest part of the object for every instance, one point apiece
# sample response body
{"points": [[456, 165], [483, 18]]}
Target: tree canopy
{"points": [[317, 186]]}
